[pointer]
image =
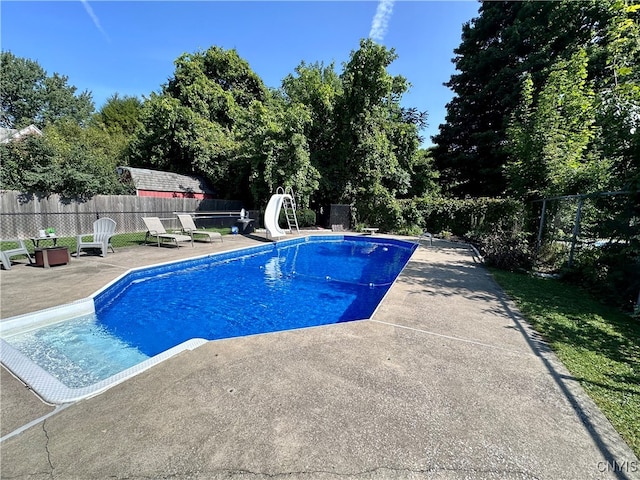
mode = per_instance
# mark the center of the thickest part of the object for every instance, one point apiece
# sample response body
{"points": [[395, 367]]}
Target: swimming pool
{"points": [[152, 313]]}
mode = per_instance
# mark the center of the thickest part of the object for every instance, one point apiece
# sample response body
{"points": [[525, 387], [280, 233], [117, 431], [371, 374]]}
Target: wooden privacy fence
{"points": [[22, 215]]}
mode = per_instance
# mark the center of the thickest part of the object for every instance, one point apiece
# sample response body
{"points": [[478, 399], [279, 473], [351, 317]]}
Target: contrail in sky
{"points": [[95, 19], [381, 20]]}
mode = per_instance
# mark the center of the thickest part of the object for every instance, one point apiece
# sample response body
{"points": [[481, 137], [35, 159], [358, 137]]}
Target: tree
{"points": [[506, 41], [361, 141], [119, 120], [375, 139], [119, 115], [28, 95], [190, 126], [29, 165], [619, 96], [20, 90], [550, 141], [73, 158], [318, 88], [275, 148], [70, 160], [424, 176]]}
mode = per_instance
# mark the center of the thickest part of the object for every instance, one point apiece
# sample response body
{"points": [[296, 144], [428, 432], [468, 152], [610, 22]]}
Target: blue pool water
{"points": [[293, 284]]}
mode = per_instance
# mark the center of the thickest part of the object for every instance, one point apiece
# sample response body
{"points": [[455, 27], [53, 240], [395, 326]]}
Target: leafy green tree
{"points": [[367, 172], [173, 137], [550, 142], [119, 115], [28, 95], [75, 157], [506, 41], [119, 120], [318, 88], [619, 96], [61, 101], [73, 161], [424, 176], [20, 90], [402, 129], [190, 126], [361, 141], [275, 148], [29, 165]]}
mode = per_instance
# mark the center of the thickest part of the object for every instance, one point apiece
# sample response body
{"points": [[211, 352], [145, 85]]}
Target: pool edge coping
{"points": [[52, 391]]}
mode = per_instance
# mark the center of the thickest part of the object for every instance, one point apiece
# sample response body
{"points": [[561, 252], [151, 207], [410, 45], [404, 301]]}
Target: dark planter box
{"points": [[47, 257]]}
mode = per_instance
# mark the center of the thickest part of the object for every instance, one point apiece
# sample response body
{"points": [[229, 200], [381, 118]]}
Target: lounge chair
{"points": [[156, 229], [5, 255], [189, 226], [103, 230]]}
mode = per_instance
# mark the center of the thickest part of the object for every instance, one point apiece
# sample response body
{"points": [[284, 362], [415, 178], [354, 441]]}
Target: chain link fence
{"points": [[595, 241], [574, 225], [27, 218], [130, 229]]}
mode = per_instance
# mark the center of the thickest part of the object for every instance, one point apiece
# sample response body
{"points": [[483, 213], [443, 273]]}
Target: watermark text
{"points": [[624, 466]]}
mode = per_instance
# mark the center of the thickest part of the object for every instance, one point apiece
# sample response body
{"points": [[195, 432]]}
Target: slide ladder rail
{"points": [[289, 205], [290, 212]]}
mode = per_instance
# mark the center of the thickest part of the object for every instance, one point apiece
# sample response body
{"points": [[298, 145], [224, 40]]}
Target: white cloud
{"points": [[380, 21], [95, 19]]}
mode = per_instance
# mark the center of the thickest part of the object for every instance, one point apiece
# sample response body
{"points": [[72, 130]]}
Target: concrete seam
{"points": [[43, 418], [458, 339]]}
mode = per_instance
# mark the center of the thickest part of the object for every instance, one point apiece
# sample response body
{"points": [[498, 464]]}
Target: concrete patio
{"points": [[445, 381]]}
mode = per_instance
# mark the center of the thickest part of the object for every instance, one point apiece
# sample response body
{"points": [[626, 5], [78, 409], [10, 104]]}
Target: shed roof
{"points": [[156, 180], [9, 134]]}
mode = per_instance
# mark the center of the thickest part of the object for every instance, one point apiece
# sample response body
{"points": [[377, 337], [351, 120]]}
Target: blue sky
{"points": [[129, 47]]}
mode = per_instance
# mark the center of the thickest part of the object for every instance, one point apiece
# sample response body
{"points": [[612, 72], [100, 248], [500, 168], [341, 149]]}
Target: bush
{"points": [[470, 218], [612, 273], [306, 217], [410, 231], [380, 210], [507, 250]]}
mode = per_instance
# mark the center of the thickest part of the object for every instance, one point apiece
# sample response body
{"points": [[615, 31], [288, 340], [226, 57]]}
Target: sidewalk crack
{"points": [[46, 448]]}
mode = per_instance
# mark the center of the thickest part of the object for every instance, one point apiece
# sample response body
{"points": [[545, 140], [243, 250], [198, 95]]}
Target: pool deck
{"points": [[445, 381]]}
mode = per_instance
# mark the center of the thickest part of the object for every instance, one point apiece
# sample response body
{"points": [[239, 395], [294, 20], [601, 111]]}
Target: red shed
{"points": [[155, 183]]}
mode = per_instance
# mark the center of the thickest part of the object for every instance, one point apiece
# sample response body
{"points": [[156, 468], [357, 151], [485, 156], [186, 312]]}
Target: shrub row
{"points": [[494, 225], [467, 218], [306, 217], [502, 230]]}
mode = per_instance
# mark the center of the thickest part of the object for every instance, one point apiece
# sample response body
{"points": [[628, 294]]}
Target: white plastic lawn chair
{"points": [[103, 230], [157, 230], [5, 255], [189, 226]]}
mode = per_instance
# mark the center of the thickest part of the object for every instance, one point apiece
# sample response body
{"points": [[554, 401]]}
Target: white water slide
{"points": [[272, 213]]}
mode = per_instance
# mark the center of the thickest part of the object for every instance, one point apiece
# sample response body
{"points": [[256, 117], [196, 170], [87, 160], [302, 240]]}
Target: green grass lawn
{"points": [[131, 239], [599, 345]]}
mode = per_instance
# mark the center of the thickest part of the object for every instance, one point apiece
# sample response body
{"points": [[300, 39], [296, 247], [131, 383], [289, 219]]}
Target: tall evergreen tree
{"points": [[507, 40]]}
